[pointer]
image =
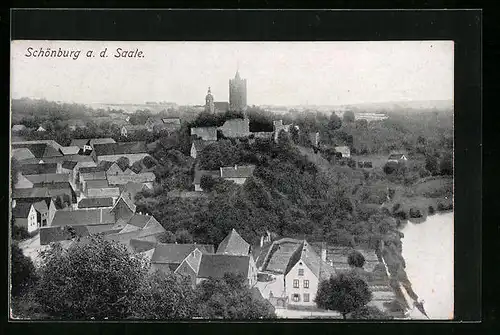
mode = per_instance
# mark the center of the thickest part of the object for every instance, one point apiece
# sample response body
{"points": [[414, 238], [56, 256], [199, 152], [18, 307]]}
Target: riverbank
{"points": [[427, 196]]}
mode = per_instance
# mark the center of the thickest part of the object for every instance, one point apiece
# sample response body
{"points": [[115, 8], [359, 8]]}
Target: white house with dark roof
{"points": [[297, 270], [25, 215]]}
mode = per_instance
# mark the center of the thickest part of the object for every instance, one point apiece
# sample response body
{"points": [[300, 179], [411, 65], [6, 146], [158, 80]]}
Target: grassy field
{"points": [[427, 196]]}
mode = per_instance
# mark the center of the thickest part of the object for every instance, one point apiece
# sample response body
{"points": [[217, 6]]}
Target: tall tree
{"points": [[431, 164], [343, 293], [446, 165], [23, 273], [334, 122], [348, 116], [94, 278]]}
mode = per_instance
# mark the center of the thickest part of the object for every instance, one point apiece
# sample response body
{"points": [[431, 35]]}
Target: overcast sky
{"points": [[278, 73]]}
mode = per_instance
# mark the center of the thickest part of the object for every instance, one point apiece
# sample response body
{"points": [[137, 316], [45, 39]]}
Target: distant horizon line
{"points": [[263, 104]]}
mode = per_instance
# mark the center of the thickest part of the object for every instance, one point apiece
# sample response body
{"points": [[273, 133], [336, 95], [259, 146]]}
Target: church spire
{"points": [[237, 75]]}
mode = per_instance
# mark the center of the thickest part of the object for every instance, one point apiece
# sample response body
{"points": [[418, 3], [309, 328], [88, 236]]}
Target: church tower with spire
{"points": [[237, 93], [209, 102]]}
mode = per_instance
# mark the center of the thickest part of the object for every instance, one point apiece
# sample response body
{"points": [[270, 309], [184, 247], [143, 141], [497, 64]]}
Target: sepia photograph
{"points": [[222, 180]]}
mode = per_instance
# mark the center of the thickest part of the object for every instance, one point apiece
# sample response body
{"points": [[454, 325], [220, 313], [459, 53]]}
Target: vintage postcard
{"points": [[232, 180]]}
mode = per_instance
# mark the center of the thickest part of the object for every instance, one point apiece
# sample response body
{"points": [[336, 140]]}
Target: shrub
{"points": [[356, 259], [19, 233], [402, 215], [369, 313], [431, 210], [415, 213]]}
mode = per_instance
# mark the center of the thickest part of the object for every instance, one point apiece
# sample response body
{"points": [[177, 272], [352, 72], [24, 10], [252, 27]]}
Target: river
{"points": [[428, 253]]}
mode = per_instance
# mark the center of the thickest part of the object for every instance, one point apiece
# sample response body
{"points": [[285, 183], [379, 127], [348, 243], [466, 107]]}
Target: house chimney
{"points": [[261, 241], [323, 254], [14, 203], [236, 166]]}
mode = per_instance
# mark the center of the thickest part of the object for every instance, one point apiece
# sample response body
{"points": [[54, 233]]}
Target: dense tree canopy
{"points": [[23, 273], [343, 293], [230, 298], [166, 237], [90, 280], [163, 297]]}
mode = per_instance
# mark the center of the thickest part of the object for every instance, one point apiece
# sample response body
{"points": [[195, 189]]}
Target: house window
{"points": [[306, 283], [306, 297], [301, 272], [296, 297], [295, 283]]}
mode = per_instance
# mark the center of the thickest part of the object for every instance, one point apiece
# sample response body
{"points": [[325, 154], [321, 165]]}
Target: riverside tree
{"points": [[343, 293]]}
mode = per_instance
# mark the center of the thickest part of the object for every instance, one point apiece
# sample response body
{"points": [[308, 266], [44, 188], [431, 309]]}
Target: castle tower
{"points": [[209, 102], [237, 93]]}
